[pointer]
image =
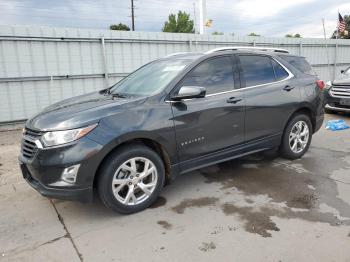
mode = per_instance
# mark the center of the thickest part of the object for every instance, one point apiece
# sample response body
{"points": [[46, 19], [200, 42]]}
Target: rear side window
{"points": [[300, 63], [257, 70], [216, 75], [280, 72]]}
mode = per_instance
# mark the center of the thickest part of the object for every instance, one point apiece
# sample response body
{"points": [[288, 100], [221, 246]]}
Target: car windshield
{"points": [[151, 78]]}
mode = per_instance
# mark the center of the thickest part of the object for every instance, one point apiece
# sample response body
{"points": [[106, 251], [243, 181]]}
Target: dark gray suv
{"points": [[171, 116]]}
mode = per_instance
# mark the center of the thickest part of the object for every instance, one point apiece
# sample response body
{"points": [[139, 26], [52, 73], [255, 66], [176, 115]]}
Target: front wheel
{"points": [[131, 179], [296, 137]]}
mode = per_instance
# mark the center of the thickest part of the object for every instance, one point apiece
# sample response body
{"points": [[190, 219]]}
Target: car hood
{"points": [[342, 79], [79, 111]]}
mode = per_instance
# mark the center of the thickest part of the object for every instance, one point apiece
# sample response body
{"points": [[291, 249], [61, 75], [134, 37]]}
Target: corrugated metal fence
{"points": [[42, 65]]}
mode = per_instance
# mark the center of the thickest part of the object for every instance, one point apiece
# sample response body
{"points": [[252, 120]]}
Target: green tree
{"points": [[347, 28], [179, 24], [253, 34], [119, 27], [217, 33], [293, 36]]}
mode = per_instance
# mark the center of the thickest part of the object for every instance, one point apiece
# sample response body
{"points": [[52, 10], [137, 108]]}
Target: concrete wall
{"points": [[42, 65]]}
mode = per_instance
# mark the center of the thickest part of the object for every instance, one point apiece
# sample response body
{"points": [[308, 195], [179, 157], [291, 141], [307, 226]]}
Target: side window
{"points": [[280, 72], [215, 75], [300, 63], [257, 70]]}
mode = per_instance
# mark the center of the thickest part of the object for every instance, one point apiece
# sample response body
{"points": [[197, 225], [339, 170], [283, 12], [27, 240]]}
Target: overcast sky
{"points": [[269, 18]]}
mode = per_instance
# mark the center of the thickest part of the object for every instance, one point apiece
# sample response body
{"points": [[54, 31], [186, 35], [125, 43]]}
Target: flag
{"points": [[341, 23]]}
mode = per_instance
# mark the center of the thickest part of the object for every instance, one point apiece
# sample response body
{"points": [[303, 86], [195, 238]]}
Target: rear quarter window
{"points": [[299, 63]]}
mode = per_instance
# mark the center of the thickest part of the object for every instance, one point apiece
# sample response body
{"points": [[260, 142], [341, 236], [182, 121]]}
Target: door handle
{"points": [[288, 88], [233, 100]]}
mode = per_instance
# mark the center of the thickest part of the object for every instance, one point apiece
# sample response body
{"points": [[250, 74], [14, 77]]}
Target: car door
{"points": [[271, 95], [207, 125]]}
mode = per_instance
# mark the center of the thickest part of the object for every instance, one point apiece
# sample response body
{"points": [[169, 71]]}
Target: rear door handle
{"points": [[233, 100], [288, 88]]}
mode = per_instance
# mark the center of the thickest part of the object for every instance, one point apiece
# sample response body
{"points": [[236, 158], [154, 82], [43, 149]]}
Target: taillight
{"points": [[320, 84]]}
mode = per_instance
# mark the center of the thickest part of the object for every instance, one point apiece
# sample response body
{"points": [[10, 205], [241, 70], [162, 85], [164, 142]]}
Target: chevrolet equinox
{"points": [[173, 115]]}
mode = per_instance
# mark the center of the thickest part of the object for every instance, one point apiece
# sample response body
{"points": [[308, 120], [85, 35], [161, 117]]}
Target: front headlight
{"points": [[328, 84], [55, 138]]}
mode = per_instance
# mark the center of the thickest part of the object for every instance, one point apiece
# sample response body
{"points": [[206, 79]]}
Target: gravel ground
{"points": [[259, 208]]}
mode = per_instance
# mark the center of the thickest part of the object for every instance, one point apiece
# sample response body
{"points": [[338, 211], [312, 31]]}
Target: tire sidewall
{"points": [[111, 165], [286, 150]]}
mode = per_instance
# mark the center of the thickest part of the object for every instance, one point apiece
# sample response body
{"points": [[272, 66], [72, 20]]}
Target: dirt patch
{"points": [[255, 222], [161, 201], [165, 224], [205, 247], [198, 202]]}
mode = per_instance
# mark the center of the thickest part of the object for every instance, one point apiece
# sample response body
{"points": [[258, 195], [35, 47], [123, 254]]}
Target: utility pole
{"points": [[195, 18], [132, 16], [202, 16]]}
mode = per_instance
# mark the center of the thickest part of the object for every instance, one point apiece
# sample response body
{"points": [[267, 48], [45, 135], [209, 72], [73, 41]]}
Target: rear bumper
{"points": [[76, 194], [319, 122]]}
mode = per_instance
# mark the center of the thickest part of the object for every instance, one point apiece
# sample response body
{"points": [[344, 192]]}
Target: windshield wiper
{"points": [[119, 95]]}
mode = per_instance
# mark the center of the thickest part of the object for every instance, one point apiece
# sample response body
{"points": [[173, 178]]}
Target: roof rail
{"points": [[270, 49], [178, 53]]}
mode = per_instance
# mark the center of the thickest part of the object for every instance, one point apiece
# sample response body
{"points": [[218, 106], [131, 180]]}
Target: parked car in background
{"points": [[337, 93], [173, 115]]}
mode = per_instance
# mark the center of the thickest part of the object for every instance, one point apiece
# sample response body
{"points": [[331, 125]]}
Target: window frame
{"points": [[235, 75], [242, 80]]}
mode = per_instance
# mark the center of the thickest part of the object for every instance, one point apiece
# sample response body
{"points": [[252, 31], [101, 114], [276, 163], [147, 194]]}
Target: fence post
{"points": [[190, 45], [104, 58], [335, 60]]}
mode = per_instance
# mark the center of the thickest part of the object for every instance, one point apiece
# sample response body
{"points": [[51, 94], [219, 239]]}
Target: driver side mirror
{"points": [[188, 92]]}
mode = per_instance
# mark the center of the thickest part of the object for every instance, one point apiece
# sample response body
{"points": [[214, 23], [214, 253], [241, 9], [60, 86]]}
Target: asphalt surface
{"points": [[259, 208]]}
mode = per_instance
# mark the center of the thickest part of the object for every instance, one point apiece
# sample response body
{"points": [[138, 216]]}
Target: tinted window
{"points": [[300, 63], [257, 70], [215, 75], [280, 72]]}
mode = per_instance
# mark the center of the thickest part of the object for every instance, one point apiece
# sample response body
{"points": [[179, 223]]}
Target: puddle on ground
{"points": [[161, 201], [297, 187], [165, 224], [198, 202], [256, 222]]}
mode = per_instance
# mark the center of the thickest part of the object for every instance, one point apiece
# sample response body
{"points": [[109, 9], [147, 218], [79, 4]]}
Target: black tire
{"points": [[285, 148], [111, 165]]}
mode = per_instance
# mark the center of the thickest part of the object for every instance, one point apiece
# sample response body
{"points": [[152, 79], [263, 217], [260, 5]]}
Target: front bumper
{"points": [[337, 108], [76, 194], [333, 103], [44, 170]]}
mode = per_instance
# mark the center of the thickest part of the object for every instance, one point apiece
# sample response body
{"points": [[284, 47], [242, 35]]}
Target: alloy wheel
{"points": [[134, 181], [299, 137]]}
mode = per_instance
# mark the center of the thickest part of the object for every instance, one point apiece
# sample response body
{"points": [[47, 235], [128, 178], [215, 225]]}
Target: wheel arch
{"points": [[303, 110], [149, 142]]}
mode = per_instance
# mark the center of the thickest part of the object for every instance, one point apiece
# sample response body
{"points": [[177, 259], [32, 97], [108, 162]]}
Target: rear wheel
{"points": [[297, 137], [131, 179]]}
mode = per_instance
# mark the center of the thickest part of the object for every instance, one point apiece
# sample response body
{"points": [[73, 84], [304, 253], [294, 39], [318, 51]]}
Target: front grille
{"points": [[340, 91], [28, 146]]}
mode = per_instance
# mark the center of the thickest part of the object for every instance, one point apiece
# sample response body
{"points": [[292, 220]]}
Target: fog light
{"points": [[69, 174]]}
